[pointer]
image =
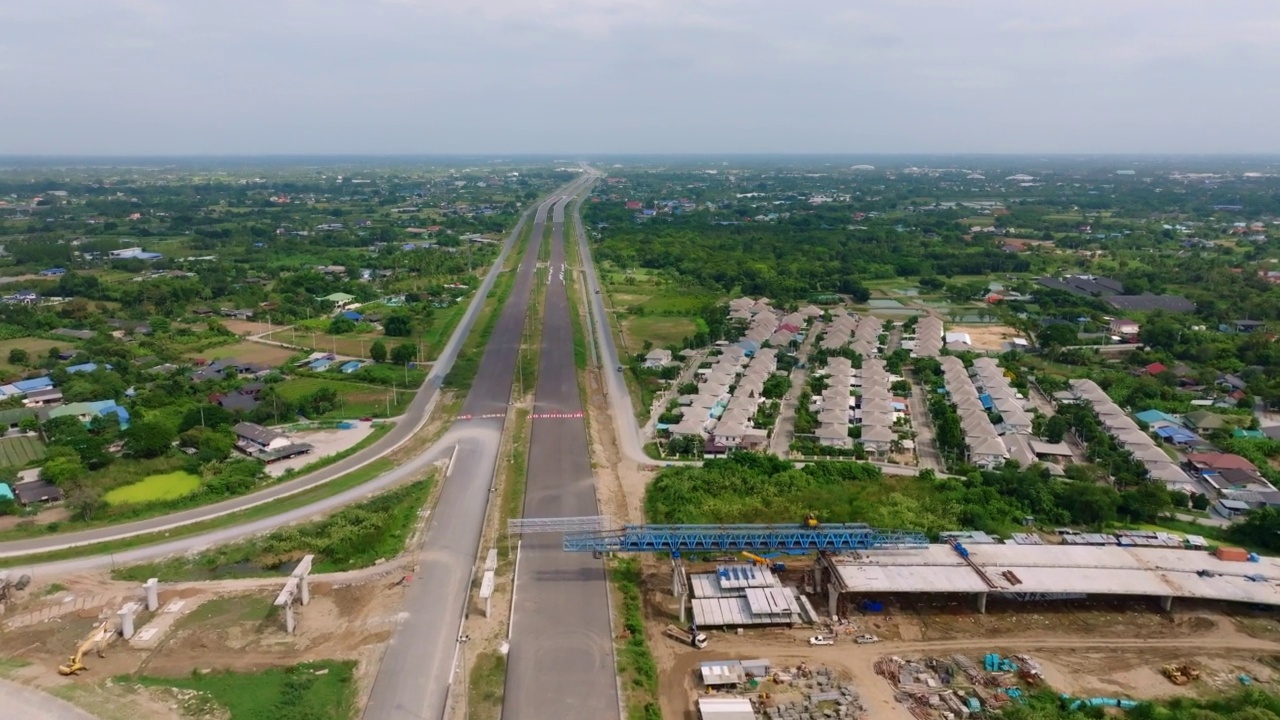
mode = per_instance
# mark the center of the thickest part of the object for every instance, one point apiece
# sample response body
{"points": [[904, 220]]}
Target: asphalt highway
{"points": [[406, 426], [561, 662]]}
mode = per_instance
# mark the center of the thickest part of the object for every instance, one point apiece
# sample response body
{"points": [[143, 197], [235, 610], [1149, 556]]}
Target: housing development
{"points": [[628, 437]]}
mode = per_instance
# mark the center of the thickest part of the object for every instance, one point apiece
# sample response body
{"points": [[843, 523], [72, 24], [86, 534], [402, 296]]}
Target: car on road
{"points": [[366, 419], [822, 640], [866, 639], [619, 368]]}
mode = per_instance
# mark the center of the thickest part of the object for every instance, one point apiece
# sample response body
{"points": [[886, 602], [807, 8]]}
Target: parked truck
{"points": [[690, 637]]}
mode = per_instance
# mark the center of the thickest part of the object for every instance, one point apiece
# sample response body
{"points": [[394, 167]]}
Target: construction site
{"points": [[901, 627], [72, 638]]}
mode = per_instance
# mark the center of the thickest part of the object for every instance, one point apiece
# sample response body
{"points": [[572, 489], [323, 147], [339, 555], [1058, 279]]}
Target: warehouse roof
{"points": [[1092, 570]]}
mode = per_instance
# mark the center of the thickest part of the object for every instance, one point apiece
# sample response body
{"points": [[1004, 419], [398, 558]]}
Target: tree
{"points": [[1260, 529], [398, 325], [18, 356], [321, 401], [1089, 504], [148, 439], [378, 351], [1057, 334], [62, 469], [210, 416], [85, 501], [404, 353], [1055, 429], [341, 325]]}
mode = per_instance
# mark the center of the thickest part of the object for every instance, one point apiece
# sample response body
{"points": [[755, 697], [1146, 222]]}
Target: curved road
{"points": [[409, 423]]}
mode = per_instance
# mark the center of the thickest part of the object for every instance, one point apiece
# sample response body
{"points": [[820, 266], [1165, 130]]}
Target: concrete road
{"points": [[406, 426], [561, 662], [417, 671], [31, 704]]}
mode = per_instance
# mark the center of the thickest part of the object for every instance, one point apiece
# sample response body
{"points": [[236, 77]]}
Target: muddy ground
{"points": [[1087, 649]]}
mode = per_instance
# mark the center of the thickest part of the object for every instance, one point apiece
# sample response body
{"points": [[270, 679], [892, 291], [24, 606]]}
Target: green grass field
{"points": [[20, 451], [169, 486], [322, 690], [659, 330], [356, 399], [37, 348]]}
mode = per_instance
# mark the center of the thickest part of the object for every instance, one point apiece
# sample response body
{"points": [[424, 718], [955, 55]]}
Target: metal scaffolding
{"points": [[677, 538]]}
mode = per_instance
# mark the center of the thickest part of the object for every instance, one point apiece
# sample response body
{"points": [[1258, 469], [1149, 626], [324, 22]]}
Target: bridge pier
{"points": [[1166, 603], [833, 600], [981, 599]]}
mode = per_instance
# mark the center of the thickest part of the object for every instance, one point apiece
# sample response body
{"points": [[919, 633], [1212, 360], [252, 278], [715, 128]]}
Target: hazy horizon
{"points": [[161, 78]]}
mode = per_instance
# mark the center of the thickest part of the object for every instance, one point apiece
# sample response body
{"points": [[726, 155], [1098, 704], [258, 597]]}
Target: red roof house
{"points": [[1155, 368]]}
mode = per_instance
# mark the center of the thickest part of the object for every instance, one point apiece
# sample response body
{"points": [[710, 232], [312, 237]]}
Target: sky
{"points": [[159, 77]]}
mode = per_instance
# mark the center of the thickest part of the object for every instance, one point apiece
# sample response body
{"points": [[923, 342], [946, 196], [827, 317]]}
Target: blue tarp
{"points": [[85, 367], [987, 404], [352, 315]]}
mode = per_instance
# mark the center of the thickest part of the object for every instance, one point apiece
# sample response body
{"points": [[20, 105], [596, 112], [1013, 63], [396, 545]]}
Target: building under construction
{"points": [[1047, 572]]}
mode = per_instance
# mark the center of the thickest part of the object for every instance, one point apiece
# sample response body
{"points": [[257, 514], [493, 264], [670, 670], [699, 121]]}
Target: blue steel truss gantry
{"points": [[694, 538]]}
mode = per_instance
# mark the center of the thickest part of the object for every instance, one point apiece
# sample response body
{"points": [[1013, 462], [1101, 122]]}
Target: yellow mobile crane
{"points": [[96, 640]]}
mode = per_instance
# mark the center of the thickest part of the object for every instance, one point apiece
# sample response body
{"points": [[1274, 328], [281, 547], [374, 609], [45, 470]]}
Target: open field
{"points": [[248, 327], [355, 400], [37, 348], [659, 330], [248, 351], [356, 346], [169, 486], [20, 451], [987, 337], [443, 322]]}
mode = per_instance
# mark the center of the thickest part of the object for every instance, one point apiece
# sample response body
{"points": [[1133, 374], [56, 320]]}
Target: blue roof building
{"points": [[350, 366], [34, 384], [53, 272], [320, 365], [352, 315], [85, 368], [1177, 435], [6, 492]]}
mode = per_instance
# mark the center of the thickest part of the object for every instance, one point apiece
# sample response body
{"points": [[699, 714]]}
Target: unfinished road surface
{"points": [[561, 663], [414, 677]]}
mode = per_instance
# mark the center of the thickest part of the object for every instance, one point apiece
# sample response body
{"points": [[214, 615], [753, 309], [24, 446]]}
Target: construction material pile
{"points": [[947, 688], [826, 696]]}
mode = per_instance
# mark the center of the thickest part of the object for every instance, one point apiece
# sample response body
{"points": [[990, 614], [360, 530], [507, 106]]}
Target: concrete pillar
{"points": [[288, 618], [833, 597], [1166, 603], [982, 603], [488, 602], [304, 586], [152, 587], [675, 579], [126, 621], [817, 575], [683, 600]]}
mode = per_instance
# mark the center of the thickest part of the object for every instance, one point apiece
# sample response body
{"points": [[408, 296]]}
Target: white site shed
{"points": [[725, 708]]}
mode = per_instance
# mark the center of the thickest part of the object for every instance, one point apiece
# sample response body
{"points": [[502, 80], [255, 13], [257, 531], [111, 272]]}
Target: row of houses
{"points": [[874, 407], [929, 337], [985, 448], [725, 404], [1127, 434], [861, 334]]}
